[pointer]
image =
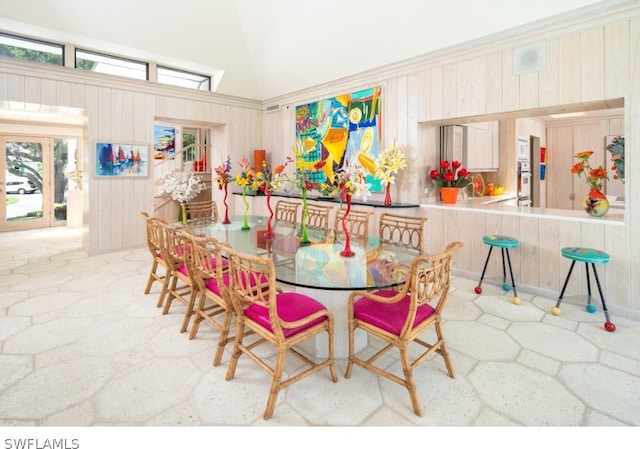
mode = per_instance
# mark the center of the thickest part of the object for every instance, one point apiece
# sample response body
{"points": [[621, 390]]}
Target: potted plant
{"points": [[450, 178], [596, 203]]}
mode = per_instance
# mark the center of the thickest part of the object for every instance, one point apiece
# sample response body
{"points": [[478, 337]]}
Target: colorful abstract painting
{"points": [[164, 142], [341, 131], [121, 160]]}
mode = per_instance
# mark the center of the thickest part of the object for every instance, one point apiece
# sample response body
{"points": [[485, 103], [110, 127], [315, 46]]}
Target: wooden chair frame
{"points": [[319, 216], [253, 289], [286, 213], [402, 230], [428, 282], [213, 303], [357, 223], [199, 212], [178, 283], [154, 240]]}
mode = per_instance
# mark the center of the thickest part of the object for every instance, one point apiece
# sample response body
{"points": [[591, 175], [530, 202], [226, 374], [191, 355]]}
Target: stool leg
{"points": [[478, 289], [513, 282], [564, 287], [608, 325], [504, 270], [590, 307]]}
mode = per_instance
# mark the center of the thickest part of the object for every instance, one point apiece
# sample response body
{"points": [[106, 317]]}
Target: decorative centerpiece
{"points": [[596, 203], [247, 179], [616, 148], [181, 190], [386, 166], [347, 183], [450, 178], [271, 180], [304, 171], [224, 177]]}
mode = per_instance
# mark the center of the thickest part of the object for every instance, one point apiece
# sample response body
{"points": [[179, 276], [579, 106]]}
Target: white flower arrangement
{"points": [[388, 163], [182, 190]]}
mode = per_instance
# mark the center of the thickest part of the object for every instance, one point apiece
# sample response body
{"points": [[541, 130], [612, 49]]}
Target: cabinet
{"points": [[481, 149]]}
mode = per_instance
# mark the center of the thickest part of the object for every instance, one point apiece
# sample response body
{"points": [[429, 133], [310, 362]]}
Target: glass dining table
{"points": [[317, 269]]}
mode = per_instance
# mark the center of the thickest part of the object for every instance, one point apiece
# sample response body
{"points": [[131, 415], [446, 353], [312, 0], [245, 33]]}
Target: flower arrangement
{"points": [[249, 178], [223, 172], [595, 177], [273, 179], [305, 168], [616, 148], [184, 189], [388, 163], [349, 181], [450, 175]]}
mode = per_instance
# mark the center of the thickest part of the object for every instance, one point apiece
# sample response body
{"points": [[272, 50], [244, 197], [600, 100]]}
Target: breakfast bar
{"points": [[542, 233]]}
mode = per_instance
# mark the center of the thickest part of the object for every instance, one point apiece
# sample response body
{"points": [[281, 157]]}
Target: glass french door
{"points": [[25, 177]]}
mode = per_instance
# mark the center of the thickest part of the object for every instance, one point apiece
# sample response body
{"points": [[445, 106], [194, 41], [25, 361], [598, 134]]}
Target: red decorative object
{"points": [[347, 252], [226, 207], [387, 194], [269, 232]]}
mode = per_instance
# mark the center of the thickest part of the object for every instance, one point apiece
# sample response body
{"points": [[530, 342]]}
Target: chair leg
{"points": [[152, 276], [235, 355], [410, 382], [347, 373], [275, 384], [165, 289], [443, 351], [189, 309], [224, 335]]}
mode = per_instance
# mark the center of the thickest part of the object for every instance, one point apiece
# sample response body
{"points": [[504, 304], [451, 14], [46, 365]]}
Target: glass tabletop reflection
{"points": [[318, 264]]}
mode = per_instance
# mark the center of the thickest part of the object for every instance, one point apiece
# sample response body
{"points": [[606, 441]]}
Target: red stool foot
{"points": [[609, 326], [478, 290]]}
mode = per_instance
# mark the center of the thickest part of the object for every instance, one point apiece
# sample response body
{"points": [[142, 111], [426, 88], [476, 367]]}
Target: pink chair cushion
{"points": [[183, 269], [389, 317], [212, 284], [291, 306]]}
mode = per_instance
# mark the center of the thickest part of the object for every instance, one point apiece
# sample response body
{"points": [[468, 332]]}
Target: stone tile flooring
{"points": [[81, 345]]}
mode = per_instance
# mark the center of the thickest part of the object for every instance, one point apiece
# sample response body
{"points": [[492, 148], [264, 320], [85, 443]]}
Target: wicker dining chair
{"points": [[199, 212], [281, 319], [210, 272], [153, 235], [357, 223], [318, 216], [286, 213], [179, 284], [400, 317], [402, 230]]}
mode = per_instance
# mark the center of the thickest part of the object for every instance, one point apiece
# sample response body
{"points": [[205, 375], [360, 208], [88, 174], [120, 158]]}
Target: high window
{"points": [[183, 79], [101, 63], [31, 50]]}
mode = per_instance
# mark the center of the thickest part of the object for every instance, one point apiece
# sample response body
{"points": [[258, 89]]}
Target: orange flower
{"points": [[594, 176], [584, 154], [577, 168]]}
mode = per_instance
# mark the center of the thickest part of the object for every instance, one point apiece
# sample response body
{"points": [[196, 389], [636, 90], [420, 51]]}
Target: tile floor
{"points": [[81, 345]]}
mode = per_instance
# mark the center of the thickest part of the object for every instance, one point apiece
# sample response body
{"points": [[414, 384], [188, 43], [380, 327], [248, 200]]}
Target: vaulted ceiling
{"points": [[268, 48]]}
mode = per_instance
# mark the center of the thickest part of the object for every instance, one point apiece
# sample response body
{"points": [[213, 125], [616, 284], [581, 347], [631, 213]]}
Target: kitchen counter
{"points": [[504, 205]]}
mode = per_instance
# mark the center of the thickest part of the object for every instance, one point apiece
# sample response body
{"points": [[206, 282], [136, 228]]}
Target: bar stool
{"points": [[504, 243], [588, 256]]}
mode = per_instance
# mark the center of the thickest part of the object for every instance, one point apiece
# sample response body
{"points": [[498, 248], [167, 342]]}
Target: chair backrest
{"points": [[357, 223], [286, 213], [429, 281], [402, 230], [318, 216], [173, 245], [207, 263], [199, 212], [153, 233], [252, 283]]}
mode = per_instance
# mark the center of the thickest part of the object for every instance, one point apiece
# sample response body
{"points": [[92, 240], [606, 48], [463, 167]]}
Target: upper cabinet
{"points": [[481, 147]]}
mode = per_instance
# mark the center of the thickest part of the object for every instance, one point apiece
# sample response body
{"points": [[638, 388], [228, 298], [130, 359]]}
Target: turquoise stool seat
{"points": [[504, 243], [588, 256]]}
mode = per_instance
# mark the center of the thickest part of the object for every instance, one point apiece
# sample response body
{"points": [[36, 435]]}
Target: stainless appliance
{"points": [[524, 183]]}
